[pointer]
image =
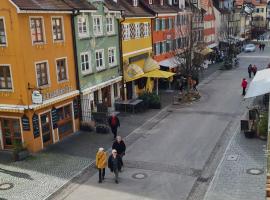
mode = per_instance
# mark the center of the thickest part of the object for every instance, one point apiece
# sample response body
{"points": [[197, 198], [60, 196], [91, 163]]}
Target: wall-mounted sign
{"points": [[138, 57], [76, 108], [55, 117], [35, 121], [57, 92], [36, 97], [25, 123]]}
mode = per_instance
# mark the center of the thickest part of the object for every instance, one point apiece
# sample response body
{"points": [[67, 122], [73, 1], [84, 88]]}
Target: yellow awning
{"points": [[206, 51], [158, 74], [150, 65], [133, 72]]}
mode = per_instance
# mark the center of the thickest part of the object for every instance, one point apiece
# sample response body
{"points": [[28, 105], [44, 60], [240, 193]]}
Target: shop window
{"points": [[57, 26], [11, 130], [42, 73], [65, 125], [37, 30], [5, 78], [3, 36], [61, 69]]}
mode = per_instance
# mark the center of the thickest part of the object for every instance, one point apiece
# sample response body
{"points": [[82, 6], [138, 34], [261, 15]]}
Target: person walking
{"points": [[244, 86], [250, 69], [120, 146], [114, 124], [254, 70], [101, 163], [115, 164], [263, 46], [260, 46]]}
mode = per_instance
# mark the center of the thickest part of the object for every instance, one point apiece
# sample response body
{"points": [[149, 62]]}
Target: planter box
{"points": [[22, 155], [250, 134]]}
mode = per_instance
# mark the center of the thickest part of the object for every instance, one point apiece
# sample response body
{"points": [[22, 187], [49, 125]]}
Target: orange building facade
{"points": [[38, 92]]}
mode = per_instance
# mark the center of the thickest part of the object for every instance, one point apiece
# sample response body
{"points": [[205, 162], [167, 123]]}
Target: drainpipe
{"points": [[123, 92], [74, 14]]}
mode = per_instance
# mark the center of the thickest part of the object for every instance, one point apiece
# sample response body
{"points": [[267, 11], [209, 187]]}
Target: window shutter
{"points": [[142, 29]]}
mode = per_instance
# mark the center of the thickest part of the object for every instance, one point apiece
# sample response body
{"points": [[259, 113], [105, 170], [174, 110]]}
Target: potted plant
{"points": [[20, 151], [263, 126], [154, 101]]}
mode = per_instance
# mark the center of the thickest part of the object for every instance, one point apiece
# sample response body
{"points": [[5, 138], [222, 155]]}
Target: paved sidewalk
{"points": [[232, 180]]}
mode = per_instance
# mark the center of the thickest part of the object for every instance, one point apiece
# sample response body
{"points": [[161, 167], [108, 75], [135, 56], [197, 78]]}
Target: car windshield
{"points": [[250, 45]]}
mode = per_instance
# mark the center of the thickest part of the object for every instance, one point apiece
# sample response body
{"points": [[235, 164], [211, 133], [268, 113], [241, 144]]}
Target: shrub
{"points": [[263, 125]]}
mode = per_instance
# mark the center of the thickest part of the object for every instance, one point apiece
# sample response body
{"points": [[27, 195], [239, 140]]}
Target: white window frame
{"points": [[99, 68], [5, 31], [83, 34], [114, 55], [63, 29], [127, 31], [137, 30], [108, 25], [146, 27], [48, 72], [89, 71], [43, 29], [11, 77], [101, 25], [67, 74], [135, 2]]}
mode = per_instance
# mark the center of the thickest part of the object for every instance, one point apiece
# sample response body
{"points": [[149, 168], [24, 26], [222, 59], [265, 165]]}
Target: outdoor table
{"points": [[128, 105]]}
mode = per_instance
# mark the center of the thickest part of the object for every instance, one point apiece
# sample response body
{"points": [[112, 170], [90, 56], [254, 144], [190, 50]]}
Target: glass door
{"points": [[46, 128], [11, 132]]}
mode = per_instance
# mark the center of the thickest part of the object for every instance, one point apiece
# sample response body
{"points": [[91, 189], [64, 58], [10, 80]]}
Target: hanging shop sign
{"points": [[55, 117], [37, 97], [76, 108], [25, 123], [35, 121]]}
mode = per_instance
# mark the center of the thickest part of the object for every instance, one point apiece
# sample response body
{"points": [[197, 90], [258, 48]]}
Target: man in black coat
{"points": [[114, 123], [120, 146], [115, 164]]}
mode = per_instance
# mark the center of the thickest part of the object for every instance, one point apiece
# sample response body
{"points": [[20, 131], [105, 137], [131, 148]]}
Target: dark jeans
{"points": [[101, 174], [244, 91], [115, 171], [249, 74], [114, 131]]}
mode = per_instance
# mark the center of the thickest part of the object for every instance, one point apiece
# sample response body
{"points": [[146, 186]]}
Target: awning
{"points": [[212, 45], [170, 63], [158, 74], [133, 72], [206, 51], [260, 84], [150, 65]]}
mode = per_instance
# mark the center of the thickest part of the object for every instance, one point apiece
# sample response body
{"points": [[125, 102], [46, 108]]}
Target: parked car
{"points": [[250, 48]]}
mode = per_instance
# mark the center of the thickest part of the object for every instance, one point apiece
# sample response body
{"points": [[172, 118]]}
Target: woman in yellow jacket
{"points": [[101, 163]]}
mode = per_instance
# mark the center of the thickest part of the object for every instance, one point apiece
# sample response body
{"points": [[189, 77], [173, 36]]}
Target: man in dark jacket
{"points": [[120, 147], [250, 70], [115, 164], [114, 124]]}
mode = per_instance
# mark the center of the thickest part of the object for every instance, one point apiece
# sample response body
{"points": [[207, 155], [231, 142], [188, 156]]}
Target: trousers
{"points": [[101, 174]]}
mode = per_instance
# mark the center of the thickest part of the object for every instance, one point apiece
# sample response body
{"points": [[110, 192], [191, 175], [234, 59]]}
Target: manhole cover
{"points": [[255, 171], [202, 179], [232, 157], [139, 175], [6, 186]]}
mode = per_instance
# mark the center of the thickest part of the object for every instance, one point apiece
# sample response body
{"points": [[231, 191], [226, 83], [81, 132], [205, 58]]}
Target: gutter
{"points": [[121, 53]]}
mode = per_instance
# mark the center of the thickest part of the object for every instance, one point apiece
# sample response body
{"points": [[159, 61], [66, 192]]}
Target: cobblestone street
{"points": [[232, 180]]}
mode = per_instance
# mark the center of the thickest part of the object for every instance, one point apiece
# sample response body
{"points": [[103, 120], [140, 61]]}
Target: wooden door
{"points": [[11, 131], [106, 96], [46, 128]]}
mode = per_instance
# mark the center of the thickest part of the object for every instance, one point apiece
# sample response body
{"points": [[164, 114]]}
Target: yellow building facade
{"points": [[38, 91]]}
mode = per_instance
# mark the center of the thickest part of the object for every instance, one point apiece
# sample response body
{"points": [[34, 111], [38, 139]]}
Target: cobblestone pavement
{"points": [[231, 180]]}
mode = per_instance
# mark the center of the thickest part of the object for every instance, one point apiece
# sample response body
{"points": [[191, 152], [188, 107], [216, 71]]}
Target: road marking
{"points": [[257, 56]]}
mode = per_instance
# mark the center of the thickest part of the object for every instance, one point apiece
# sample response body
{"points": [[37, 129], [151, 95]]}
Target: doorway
{"points": [[106, 96], [11, 131], [46, 128]]}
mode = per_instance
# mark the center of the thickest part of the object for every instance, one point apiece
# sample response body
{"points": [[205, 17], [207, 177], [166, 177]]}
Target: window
{"points": [[157, 24], [112, 56], [110, 25], [100, 59], [115, 90], [137, 30], [150, 1], [37, 32], [97, 25], [82, 26], [61, 69], [163, 24], [126, 31], [146, 29], [3, 37], [157, 48], [57, 26], [5, 78], [135, 2], [42, 74], [85, 63], [11, 130]]}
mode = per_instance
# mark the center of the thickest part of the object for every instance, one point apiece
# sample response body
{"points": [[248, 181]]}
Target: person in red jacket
{"points": [[244, 86]]}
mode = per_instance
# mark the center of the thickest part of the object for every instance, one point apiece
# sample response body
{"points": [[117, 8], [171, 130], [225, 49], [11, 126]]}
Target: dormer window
{"points": [[135, 2], [161, 2]]}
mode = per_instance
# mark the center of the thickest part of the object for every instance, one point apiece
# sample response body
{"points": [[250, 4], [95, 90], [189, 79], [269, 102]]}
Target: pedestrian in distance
{"points": [[250, 69], [115, 164], [101, 164], [260, 47], [120, 146], [114, 123], [263, 46], [254, 70], [244, 86]]}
